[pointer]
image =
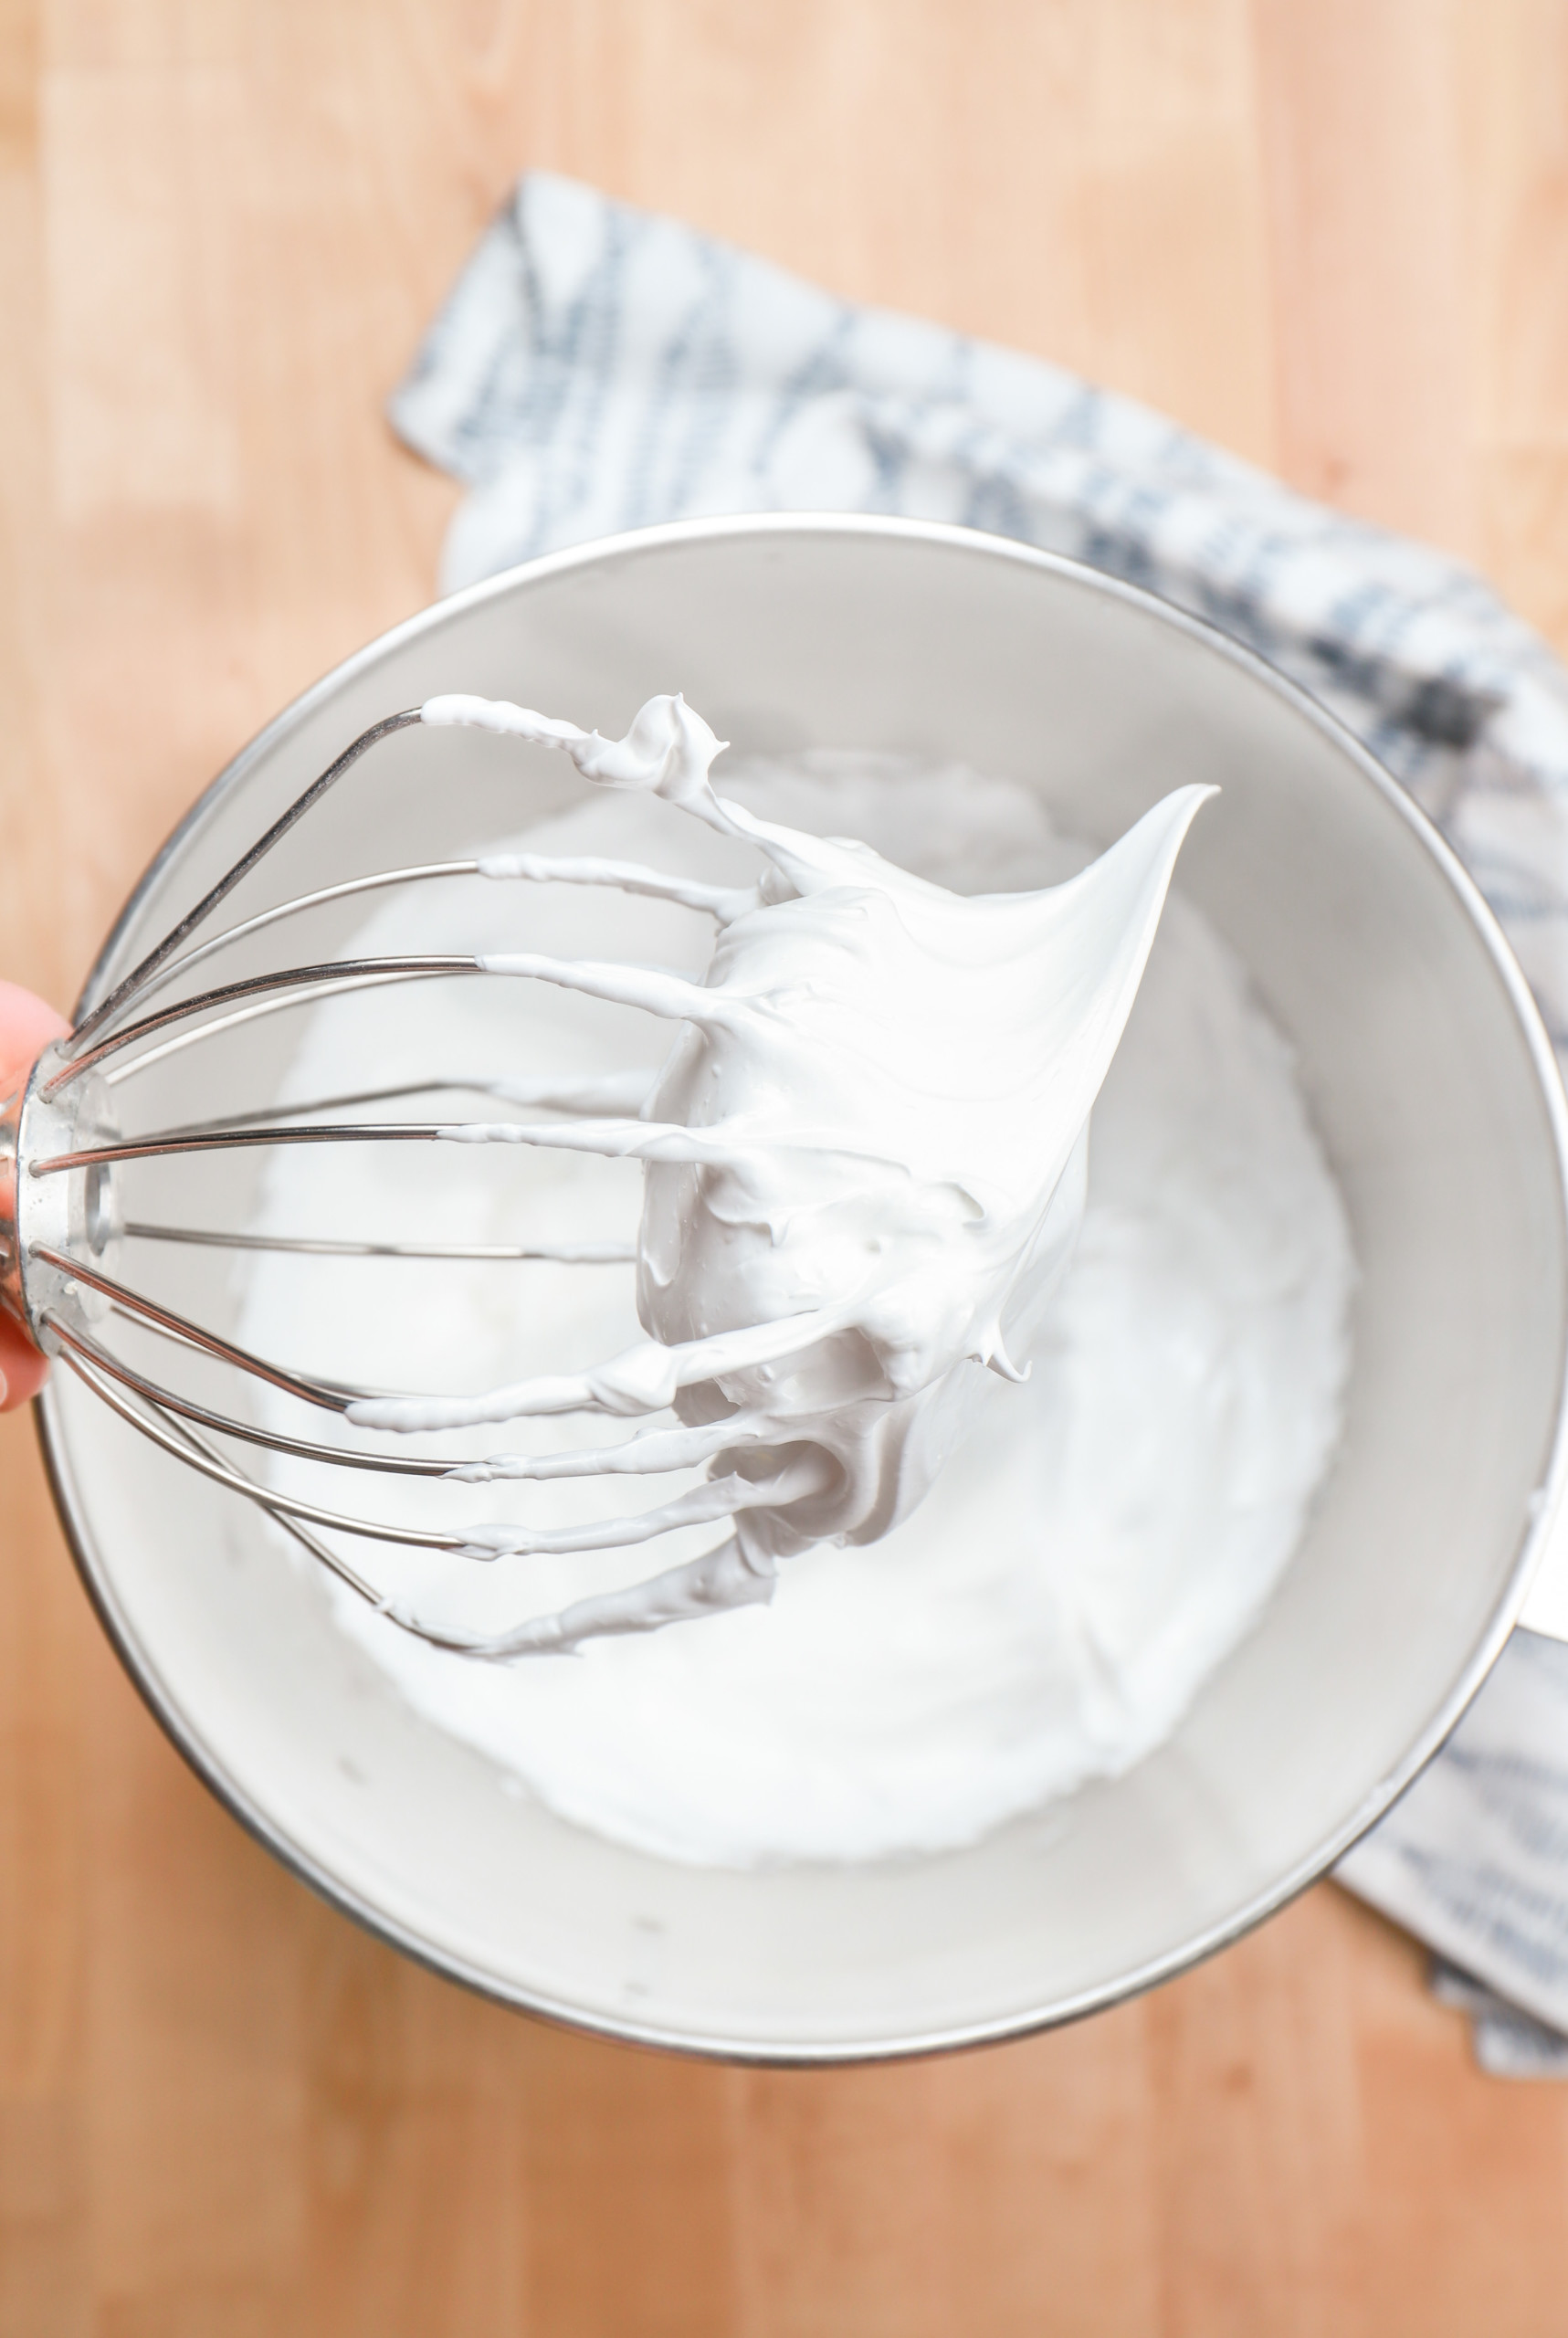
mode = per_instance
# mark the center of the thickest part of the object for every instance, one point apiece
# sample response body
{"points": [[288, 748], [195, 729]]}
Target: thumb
{"points": [[28, 1024]]}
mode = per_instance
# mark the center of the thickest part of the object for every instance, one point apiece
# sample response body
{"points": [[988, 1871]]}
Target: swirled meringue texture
{"points": [[908, 1096], [1099, 1541], [863, 1158]]}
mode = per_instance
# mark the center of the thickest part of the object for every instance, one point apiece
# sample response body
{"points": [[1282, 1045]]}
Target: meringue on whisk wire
{"points": [[863, 1171]]}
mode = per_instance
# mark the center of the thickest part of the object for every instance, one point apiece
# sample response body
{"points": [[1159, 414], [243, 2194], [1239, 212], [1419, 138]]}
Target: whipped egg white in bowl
{"points": [[864, 1913]]}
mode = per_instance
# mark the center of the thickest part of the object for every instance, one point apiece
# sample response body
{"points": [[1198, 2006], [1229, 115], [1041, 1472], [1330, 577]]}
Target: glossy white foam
{"points": [[1102, 1538]]}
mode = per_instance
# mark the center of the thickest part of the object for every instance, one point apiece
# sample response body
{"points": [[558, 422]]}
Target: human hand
{"points": [[27, 1025]]}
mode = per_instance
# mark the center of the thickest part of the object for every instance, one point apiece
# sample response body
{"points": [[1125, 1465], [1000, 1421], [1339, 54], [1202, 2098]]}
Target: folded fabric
{"points": [[599, 368], [1509, 2043], [1474, 1856]]}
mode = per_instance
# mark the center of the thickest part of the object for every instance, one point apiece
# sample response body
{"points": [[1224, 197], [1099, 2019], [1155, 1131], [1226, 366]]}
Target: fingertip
{"points": [[23, 1369], [28, 1024]]}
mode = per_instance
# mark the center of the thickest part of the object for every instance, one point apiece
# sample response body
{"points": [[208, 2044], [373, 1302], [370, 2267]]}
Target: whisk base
{"points": [[77, 1213]]}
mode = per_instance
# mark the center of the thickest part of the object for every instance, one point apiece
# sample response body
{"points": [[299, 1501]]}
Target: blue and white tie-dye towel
{"points": [[598, 368]]}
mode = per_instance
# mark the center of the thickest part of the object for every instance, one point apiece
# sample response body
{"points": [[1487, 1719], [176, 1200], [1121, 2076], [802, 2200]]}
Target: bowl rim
{"points": [[823, 2053]]}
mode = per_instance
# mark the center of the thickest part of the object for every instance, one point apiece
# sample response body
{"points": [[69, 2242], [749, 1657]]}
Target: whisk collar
{"points": [[76, 1215]]}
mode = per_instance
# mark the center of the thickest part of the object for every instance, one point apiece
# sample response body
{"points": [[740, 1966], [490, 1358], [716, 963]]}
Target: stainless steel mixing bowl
{"points": [[1435, 1093]]}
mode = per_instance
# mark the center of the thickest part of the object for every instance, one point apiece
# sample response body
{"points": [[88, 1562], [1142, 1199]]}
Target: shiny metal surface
{"points": [[12, 1294], [1434, 1091]]}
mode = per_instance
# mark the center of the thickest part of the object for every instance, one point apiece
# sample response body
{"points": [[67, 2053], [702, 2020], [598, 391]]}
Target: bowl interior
{"points": [[1429, 1088]]}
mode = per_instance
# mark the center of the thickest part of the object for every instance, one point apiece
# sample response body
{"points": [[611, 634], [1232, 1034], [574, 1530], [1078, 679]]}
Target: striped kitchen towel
{"points": [[598, 368]]}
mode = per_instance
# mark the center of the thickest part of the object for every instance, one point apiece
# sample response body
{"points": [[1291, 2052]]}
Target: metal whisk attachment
{"points": [[64, 1234]]}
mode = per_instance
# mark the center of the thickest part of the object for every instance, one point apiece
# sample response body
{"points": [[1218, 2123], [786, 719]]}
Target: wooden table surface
{"points": [[1334, 234]]}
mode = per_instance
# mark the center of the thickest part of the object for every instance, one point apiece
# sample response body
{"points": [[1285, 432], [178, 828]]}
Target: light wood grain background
{"points": [[1332, 233]]}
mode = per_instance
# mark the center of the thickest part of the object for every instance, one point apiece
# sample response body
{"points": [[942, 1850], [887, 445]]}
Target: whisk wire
{"points": [[724, 902], [546, 1635], [156, 959], [567, 1254], [715, 1499], [125, 1035], [343, 974], [281, 1505], [179, 1327], [168, 1400]]}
